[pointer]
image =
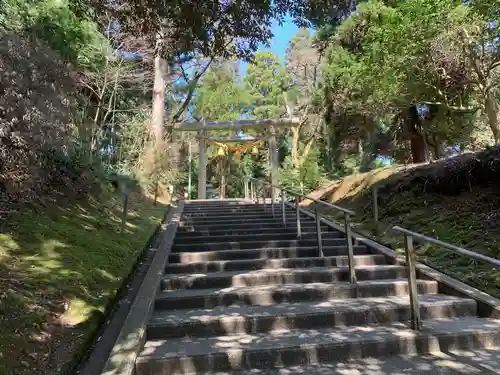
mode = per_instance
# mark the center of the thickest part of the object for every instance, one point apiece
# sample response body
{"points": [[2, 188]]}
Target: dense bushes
{"points": [[449, 176], [37, 103]]}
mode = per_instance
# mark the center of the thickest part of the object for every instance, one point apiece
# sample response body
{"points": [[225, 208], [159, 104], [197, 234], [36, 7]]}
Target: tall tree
{"points": [[221, 95], [391, 60], [178, 30], [478, 41], [303, 63], [266, 80]]}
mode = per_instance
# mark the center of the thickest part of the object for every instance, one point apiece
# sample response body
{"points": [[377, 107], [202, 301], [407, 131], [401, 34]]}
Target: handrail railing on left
{"points": [[252, 193]]}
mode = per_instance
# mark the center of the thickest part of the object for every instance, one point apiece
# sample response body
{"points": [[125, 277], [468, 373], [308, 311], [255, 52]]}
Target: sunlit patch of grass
{"points": [[78, 311], [58, 271]]}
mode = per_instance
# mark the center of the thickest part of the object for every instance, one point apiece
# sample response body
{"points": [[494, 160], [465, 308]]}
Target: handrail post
{"points": [[375, 209], [272, 201], [283, 217], [350, 250], [318, 232], [416, 322], [264, 195], [297, 212]]}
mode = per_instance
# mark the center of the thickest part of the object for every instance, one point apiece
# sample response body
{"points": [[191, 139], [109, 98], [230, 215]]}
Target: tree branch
{"points": [[494, 64], [453, 107], [192, 87]]}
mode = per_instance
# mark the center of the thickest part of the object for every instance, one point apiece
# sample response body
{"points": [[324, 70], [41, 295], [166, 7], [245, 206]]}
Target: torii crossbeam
{"points": [[239, 124], [202, 127]]}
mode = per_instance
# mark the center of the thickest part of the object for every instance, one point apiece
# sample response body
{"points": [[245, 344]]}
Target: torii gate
{"points": [[203, 128]]}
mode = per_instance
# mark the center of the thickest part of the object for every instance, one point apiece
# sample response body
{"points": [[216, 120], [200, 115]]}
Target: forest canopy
{"points": [[372, 82]]}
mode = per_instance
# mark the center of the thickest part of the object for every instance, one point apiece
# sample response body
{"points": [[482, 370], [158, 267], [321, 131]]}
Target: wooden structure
{"points": [[268, 127]]}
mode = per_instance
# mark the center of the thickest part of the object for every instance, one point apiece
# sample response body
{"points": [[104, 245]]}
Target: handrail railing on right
{"points": [[416, 322], [253, 191]]}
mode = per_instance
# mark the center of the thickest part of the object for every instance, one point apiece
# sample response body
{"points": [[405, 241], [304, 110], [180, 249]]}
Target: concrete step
{"points": [[229, 279], [227, 204], [239, 320], [215, 246], [271, 228], [234, 208], [257, 264], [275, 226], [451, 362], [238, 212], [272, 294], [290, 218], [273, 236], [246, 222], [268, 212], [210, 202], [221, 205], [263, 253], [301, 347]]}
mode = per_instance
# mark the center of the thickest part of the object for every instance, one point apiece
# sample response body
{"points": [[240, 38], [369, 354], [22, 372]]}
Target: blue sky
{"points": [[279, 43]]}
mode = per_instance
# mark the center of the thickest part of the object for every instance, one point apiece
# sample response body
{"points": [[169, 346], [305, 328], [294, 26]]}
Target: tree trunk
{"points": [[295, 146], [418, 145], [295, 133], [491, 109], [438, 150], [307, 150], [158, 110]]}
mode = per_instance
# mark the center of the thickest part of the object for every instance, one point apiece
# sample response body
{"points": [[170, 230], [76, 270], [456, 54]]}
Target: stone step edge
{"points": [[291, 241], [285, 352], [362, 311], [256, 253], [276, 249], [266, 295], [277, 261], [258, 236], [453, 362], [255, 231], [258, 273]]}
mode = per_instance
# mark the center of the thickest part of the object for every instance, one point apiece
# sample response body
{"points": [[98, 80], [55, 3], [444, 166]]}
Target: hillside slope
{"points": [[455, 200], [61, 265]]}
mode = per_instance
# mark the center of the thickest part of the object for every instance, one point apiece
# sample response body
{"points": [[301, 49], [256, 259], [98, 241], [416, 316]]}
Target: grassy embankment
{"points": [[456, 201], [60, 266]]}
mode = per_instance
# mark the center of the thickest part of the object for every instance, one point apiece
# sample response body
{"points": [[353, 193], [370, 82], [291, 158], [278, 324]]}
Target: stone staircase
{"points": [[241, 294]]}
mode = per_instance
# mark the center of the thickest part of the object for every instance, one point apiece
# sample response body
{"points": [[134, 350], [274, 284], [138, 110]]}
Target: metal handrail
{"points": [[294, 193], [347, 214], [446, 245], [416, 322]]}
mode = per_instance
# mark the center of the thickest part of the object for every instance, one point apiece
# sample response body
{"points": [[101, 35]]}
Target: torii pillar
{"points": [[202, 127], [274, 161], [202, 170]]}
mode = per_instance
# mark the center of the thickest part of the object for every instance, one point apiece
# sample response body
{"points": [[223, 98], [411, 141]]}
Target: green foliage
{"points": [[266, 81], [60, 27], [211, 28], [384, 59], [56, 23], [220, 95], [306, 178]]}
